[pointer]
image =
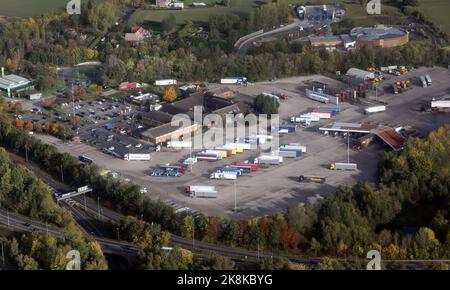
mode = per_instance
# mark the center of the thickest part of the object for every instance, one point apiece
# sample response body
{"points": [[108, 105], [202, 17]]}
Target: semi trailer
{"points": [[343, 166], [224, 175], [311, 179], [374, 109], [204, 191]]}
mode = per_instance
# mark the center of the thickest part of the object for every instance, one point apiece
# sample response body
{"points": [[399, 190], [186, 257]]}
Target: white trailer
{"points": [[234, 81], [442, 104], [374, 109], [269, 159], [423, 81], [428, 79], [313, 117], [165, 82], [137, 157], [224, 175], [179, 144], [201, 191], [343, 166]]}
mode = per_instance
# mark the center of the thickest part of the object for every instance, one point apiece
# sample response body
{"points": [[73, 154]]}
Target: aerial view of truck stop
{"points": [[224, 135]]}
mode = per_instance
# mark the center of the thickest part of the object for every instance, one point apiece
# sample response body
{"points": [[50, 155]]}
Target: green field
{"points": [[196, 14], [27, 8], [437, 12]]}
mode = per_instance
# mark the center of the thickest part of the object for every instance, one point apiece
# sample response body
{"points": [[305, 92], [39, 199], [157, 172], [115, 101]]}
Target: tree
{"points": [[266, 105], [170, 94], [168, 23], [102, 16]]}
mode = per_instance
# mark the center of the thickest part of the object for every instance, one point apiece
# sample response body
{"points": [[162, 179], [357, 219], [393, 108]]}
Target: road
{"points": [[245, 45]]}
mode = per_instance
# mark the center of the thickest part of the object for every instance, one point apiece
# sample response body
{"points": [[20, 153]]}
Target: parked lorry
{"points": [[269, 159], [208, 156], [322, 115], [234, 81], [201, 191], [285, 128], [441, 104], [287, 153], [165, 82], [343, 166], [179, 144], [224, 175], [374, 109], [333, 110], [311, 179], [253, 167], [423, 81], [428, 79], [294, 147]]}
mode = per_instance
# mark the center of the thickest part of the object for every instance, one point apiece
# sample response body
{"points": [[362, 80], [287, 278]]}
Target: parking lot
{"points": [[272, 189]]}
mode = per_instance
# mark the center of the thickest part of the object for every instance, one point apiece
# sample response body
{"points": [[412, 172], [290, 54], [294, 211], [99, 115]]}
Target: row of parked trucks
{"points": [[316, 115]]}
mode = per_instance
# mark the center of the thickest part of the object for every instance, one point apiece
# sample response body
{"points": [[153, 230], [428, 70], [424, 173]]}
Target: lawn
{"points": [[437, 12], [200, 14], [27, 8]]}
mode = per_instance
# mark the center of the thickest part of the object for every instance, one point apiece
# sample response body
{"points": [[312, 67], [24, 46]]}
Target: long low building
{"points": [[379, 35], [15, 86], [166, 132], [389, 135]]}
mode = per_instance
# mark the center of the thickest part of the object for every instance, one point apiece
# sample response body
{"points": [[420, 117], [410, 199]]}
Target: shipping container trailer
{"points": [[343, 166], [224, 175], [201, 191]]}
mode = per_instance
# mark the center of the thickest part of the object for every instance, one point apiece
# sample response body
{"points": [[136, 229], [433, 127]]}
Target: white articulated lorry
{"points": [[201, 191], [224, 175]]}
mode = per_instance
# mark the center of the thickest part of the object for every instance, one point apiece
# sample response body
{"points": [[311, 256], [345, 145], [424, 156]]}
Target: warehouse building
{"points": [[332, 42], [15, 86], [379, 35], [167, 132]]}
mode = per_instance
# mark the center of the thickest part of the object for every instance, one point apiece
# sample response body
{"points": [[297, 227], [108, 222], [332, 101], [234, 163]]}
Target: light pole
{"points": [[3, 256], [62, 174], [193, 234], [118, 236], [7, 216], [348, 147]]}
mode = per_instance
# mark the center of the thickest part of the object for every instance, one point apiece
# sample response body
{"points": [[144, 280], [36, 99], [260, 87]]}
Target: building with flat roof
{"points": [[166, 132], [15, 86], [332, 42], [379, 35]]}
